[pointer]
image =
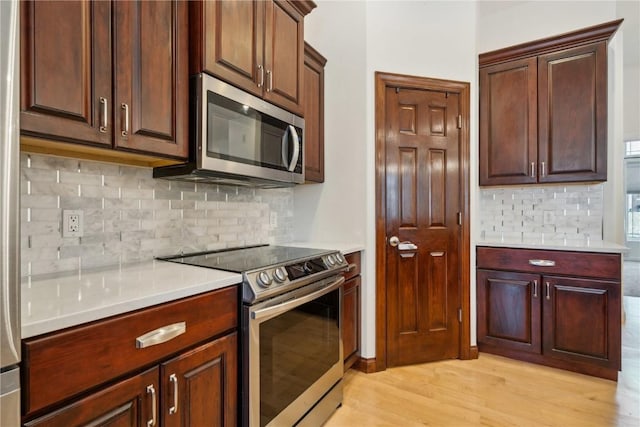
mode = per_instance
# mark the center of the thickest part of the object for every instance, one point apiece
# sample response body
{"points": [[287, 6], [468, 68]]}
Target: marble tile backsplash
{"points": [[129, 216], [547, 214]]}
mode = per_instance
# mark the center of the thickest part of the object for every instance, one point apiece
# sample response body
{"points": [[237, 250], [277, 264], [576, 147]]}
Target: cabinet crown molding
{"points": [[537, 47]]}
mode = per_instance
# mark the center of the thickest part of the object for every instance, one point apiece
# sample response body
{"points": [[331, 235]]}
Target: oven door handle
{"points": [[288, 305]]}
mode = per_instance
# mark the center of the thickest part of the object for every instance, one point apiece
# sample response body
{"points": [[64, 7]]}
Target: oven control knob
{"points": [[280, 275], [308, 267], [264, 279], [340, 258], [331, 260]]}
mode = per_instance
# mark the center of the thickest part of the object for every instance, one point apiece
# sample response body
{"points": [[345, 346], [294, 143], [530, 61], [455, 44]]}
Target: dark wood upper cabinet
{"points": [[66, 70], [227, 40], [314, 64], [257, 46], [572, 105], [151, 77], [543, 109], [508, 122], [112, 75]]}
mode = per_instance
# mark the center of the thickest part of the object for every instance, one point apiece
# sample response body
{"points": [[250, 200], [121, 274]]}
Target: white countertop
{"points": [[56, 301], [569, 245], [345, 248]]}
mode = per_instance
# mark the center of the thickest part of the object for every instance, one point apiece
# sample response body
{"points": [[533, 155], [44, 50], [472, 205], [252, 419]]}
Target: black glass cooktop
{"points": [[247, 259]]}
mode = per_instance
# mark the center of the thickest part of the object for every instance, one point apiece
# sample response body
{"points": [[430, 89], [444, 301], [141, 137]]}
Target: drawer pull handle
{"points": [[173, 379], [542, 262], [154, 406], [161, 335], [351, 267]]}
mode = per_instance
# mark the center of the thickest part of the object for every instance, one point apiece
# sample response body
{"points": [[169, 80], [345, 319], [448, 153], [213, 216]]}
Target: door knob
{"points": [[394, 241]]}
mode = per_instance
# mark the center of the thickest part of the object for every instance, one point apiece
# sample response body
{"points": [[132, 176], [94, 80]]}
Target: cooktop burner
{"points": [[268, 271], [241, 260]]}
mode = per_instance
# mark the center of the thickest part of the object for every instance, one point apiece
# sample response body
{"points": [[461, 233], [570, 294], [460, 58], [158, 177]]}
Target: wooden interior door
{"points": [[423, 199]]}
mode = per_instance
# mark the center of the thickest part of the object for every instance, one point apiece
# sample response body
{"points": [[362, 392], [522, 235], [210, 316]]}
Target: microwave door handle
{"points": [[296, 148], [285, 160]]}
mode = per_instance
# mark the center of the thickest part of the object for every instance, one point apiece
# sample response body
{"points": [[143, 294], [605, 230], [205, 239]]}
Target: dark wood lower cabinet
{"points": [[127, 403], [553, 317], [351, 311], [200, 387]]}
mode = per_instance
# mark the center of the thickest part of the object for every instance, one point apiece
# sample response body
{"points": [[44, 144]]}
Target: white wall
{"points": [[631, 102], [429, 39], [334, 210]]}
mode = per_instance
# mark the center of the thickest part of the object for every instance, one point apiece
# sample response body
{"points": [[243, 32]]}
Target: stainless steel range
{"points": [[291, 353]]}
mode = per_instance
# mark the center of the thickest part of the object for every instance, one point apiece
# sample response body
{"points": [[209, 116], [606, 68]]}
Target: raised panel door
{"points": [[151, 77], [313, 114], [66, 70], [582, 320], [230, 41], [284, 55], [509, 310], [508, 123], [572, 105], [351, 321], [128, 403], [200, 386]]}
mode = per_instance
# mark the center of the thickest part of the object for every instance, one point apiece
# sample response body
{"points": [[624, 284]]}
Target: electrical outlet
{"points": [[72, 223]]}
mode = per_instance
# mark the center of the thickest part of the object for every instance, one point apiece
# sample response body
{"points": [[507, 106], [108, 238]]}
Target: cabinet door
{"points": [[582, 320], [151, 77], [230, 41], [573, 114], [200, 386], [508, 123], [128, 403], [509, 310], [351, 321], [313, 114], [284, 55], [65, 74]]}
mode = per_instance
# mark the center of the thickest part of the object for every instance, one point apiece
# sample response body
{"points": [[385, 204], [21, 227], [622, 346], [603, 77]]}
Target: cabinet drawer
{"points": [[582, 264], [353, 259], [66, 363]]}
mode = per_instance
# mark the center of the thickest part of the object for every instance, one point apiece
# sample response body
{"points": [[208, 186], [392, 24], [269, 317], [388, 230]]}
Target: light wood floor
{"points": [[496, 391]]}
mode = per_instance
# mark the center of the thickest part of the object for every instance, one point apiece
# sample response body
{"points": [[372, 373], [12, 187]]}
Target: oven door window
{"points": [[296, 349], [242, 134]]}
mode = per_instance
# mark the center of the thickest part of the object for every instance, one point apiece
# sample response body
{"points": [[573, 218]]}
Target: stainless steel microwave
{"points": [[237, 138]]}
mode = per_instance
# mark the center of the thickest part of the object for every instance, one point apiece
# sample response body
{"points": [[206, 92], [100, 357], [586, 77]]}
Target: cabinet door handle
{"points": [[161, 335], [535, 289], [543, 172], [269, 80], [261, 70], [125, 109], [548, 286], [533, 169], [542, 262], [105, 115], [173, 379], [154, 406]]}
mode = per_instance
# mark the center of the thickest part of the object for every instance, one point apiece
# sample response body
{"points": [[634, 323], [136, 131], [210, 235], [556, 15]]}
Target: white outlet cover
{"points": [[72, 223]]}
